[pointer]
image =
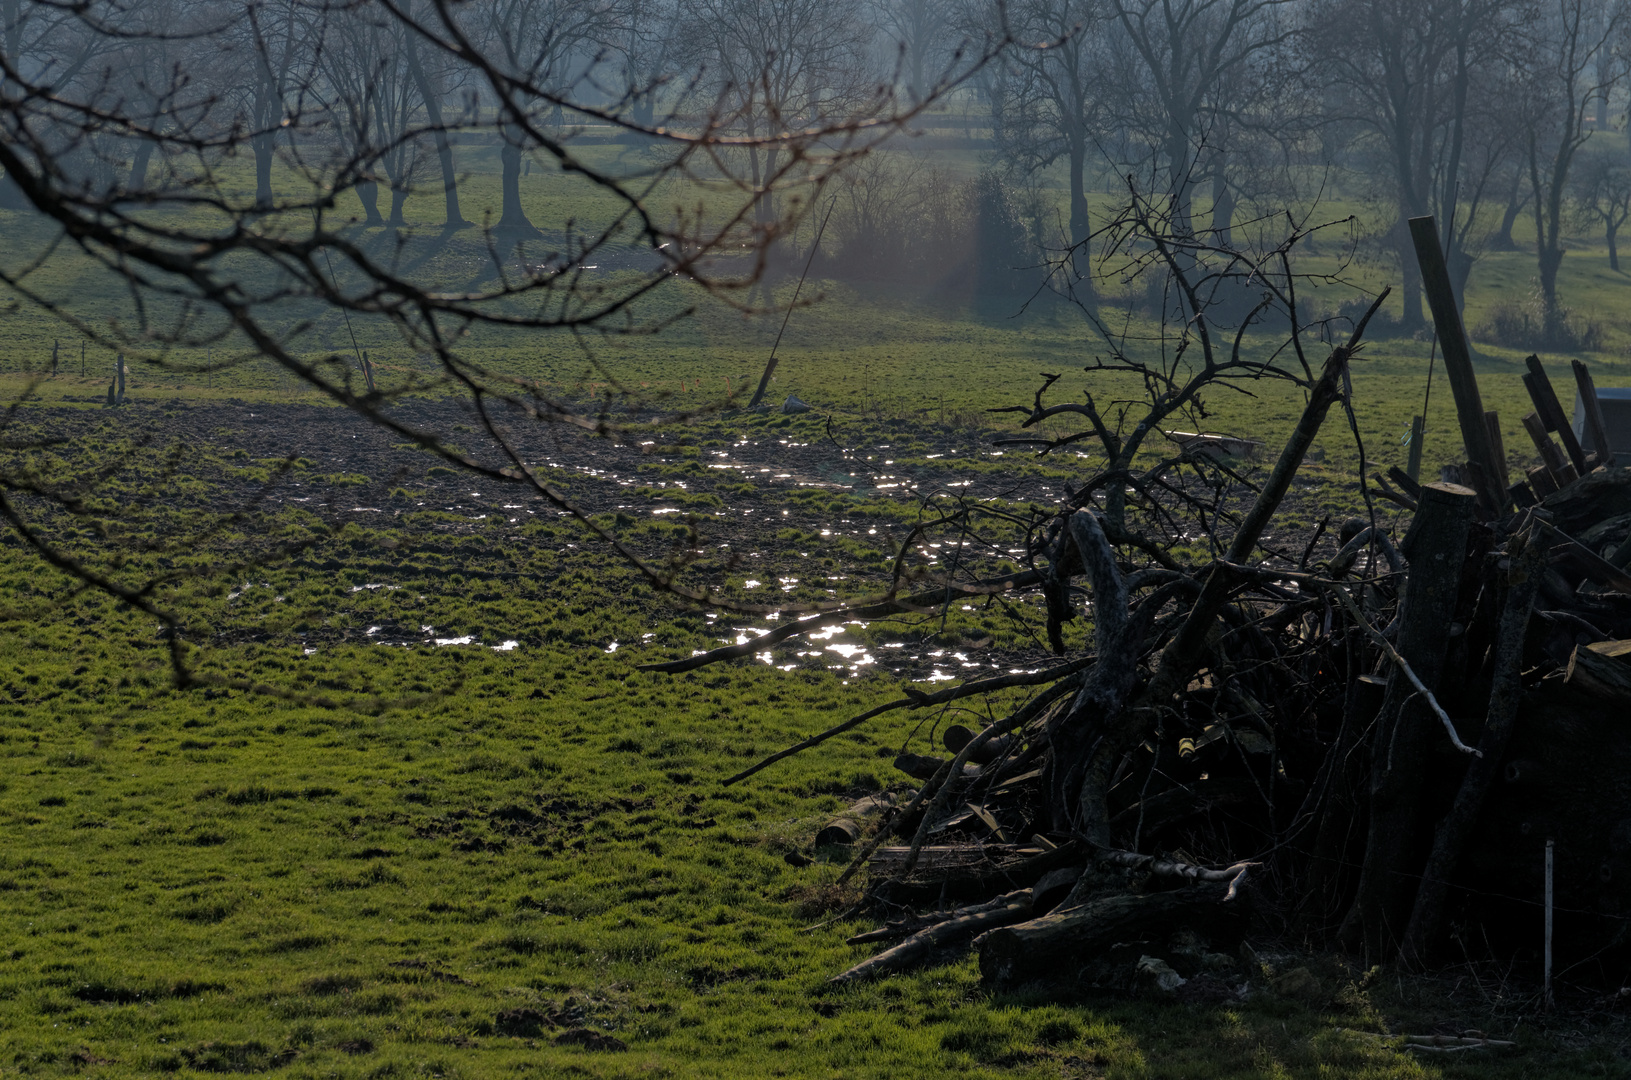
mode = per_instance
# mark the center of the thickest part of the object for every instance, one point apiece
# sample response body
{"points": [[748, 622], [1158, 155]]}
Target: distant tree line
{"points": [[1476, 111]]}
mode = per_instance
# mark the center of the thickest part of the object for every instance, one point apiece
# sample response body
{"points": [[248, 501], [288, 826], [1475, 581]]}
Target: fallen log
{"points": [[1009, 908], [846, 830], [1602, 670], [1057, 945]]}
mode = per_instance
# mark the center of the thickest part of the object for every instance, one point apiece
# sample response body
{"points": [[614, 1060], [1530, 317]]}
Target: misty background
{"points": [[1021, 134]]}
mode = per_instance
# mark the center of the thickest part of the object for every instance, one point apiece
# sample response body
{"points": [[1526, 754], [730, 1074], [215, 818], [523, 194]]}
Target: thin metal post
{"points": [[1418, 427], [1548, 984]]}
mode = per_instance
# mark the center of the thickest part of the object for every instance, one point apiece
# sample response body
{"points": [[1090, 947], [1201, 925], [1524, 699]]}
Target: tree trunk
{"points": [[138, 165], [1081, 262], [1409, 279], [1397, 844], [262, 145], [1550, 258], [399, 196], [1515, 202], [368, 193], [1223, 207], [513, 217], [1613, 245], [431, 95]]}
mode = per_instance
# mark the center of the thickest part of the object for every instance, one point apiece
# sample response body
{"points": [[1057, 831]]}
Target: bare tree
{"points": [[920, 32], [432, 72], [377, 99], [1047, 93], [548, 46], [1415, 74], [769, 66], [1561, 82], [1602, 196], [1182, 66]]}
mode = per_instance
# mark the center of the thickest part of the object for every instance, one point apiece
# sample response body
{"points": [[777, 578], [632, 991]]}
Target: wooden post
{"points": [[1596, 428], [1492, 420], [1399, 839], [1452, 338], [1453, 833], [1551, 411], [1418, 425]]}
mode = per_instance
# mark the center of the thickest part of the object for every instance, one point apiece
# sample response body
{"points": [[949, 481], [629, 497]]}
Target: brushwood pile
{"points": [[1373, 749]]}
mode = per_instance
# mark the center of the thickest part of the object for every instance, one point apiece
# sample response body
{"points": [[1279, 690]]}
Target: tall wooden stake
{"points": [[1418, 427], [1469, 405]]}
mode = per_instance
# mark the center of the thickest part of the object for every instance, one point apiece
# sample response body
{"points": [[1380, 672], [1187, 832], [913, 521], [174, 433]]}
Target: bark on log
{"points": [[1603, 670], [1599, 495], [1396, 844], [1427, 917], [1058, 944]]}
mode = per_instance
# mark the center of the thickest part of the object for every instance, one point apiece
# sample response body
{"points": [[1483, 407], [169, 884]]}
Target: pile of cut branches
{"points": [[1304, 742]]}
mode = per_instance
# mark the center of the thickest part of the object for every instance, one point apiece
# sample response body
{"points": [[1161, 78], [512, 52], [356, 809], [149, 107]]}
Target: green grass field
{"points": [[406, 859]]}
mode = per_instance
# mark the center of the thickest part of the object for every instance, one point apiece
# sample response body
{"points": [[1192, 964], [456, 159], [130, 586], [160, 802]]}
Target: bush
{"points": [[904, 220], [1525, 325]]}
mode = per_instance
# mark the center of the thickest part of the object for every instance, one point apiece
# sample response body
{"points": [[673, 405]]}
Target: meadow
{"points": [[424, 816]]}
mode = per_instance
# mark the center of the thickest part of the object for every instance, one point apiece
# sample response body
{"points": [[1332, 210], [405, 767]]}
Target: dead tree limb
{"points": [[1132, 860], [919, 701], [1007, 909], [1404, 669]]}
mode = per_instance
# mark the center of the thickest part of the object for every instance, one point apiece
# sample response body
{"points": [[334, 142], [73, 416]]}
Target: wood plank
{"points": [[1406, 482], [1492, 420], [1551, 411], [1452, 339], [1596, 427], [1550, 455]]}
